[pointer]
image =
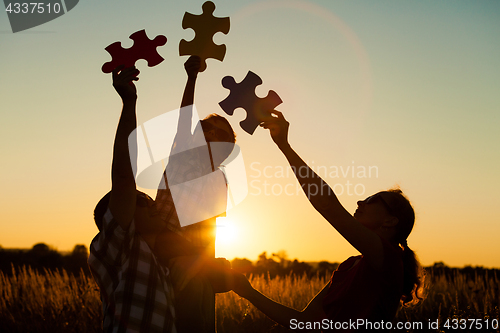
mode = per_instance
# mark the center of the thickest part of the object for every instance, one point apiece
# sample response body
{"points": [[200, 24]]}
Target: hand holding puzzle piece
{"points": [[243, 95], [143, 48]]}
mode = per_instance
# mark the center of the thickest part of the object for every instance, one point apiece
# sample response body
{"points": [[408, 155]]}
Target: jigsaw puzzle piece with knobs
{"points": [[143, 48], [243, 95], [205, 26]]}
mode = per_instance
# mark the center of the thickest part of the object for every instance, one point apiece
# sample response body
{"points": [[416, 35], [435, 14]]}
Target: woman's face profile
{"points": [[372, 212]]}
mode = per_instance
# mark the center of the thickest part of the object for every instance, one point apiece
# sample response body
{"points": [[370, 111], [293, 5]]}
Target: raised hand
{"points": [[123, 82], [278, 128], [192, 66]]}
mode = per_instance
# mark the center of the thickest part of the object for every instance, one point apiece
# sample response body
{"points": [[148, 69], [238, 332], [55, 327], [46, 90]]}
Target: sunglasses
{"points": [[219, 132], [380, 198]]}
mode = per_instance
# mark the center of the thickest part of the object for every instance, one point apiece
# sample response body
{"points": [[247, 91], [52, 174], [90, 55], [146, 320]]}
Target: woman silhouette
{"points": [[367, 289]]}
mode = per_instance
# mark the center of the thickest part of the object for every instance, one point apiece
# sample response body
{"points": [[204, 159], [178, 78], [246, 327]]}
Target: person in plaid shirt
{"points": [[136, 291]]}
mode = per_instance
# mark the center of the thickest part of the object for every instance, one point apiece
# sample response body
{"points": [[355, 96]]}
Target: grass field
{"points": [[56, 302]]}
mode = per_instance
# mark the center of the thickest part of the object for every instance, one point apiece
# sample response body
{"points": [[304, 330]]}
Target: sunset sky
{"points": [[407, 92]]}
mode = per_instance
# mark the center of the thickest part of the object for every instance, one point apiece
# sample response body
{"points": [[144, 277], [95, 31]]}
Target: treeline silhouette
{"points": [[42, 257], [470, 272], [277, 264]]}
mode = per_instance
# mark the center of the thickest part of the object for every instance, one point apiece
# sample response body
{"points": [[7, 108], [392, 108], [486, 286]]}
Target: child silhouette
{"points": [[370, 286]]}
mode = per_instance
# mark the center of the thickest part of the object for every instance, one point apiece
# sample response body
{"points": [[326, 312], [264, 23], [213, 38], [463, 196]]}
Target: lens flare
{"points": [[226, 231]]}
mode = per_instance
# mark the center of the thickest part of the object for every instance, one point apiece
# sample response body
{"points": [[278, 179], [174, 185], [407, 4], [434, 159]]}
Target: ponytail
{"points": [[414, 278]]}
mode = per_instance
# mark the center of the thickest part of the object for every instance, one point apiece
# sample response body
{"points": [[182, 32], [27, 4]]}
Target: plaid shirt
{"points": [[182, 169], [136, 294]]}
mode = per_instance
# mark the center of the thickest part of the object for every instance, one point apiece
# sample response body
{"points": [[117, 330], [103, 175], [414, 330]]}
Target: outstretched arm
{"points": [[123, 189], [192, 66], [322, 196], [280, 313], [183, 137]]}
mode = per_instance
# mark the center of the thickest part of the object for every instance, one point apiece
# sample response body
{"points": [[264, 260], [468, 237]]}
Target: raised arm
{"points": [[322, 196], [123, 189], [192, 66], [183, 137]]}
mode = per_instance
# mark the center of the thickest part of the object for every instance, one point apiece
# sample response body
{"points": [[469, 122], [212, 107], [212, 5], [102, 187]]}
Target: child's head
{"points": [[217, 129], [219, 135], [400, 207], [387, 209], [100, 210], [145, 213]]}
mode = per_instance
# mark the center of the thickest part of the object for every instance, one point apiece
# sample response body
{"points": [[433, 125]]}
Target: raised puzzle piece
{"points": [[242, 95], [205, 26], [143, 48]]}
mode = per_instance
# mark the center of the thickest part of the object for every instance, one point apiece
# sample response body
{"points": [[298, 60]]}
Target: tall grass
{"points": [[235, 314], [53, 301], [458, 297]]}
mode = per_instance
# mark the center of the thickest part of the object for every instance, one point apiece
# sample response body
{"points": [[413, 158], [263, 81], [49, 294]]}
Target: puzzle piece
{"points": [[243, 95], [143, 48], [205, 27]]}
